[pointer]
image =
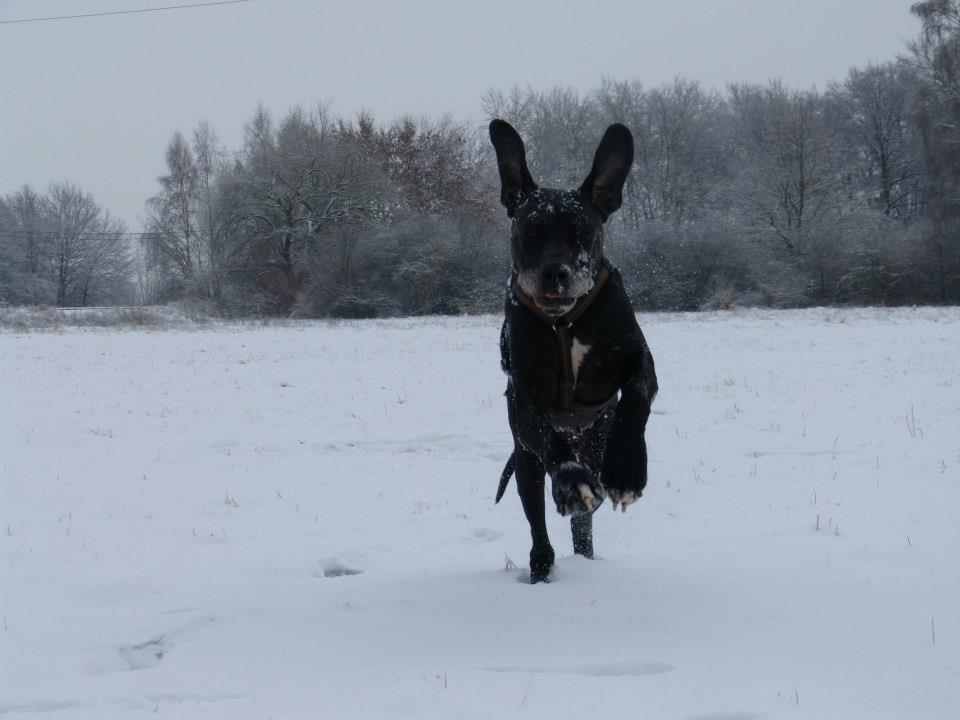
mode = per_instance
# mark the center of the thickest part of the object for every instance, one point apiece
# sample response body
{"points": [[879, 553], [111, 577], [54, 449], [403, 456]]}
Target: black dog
{"points": [[570, 343]]}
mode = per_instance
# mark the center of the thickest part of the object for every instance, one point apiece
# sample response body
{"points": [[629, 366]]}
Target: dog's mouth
{"points": [[556, 302], [553, 298]]}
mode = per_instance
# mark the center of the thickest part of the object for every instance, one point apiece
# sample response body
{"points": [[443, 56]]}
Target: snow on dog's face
{"points": [[556, 246], [557, 235]]}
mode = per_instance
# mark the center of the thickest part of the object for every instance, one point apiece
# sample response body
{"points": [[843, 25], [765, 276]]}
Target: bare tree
{"points": [[213, 218], [89, 255], [935, 57], [790, 160], [559, 126], [176, 249], [24, 249], [678, 158], [875, 107], [296, 184]]}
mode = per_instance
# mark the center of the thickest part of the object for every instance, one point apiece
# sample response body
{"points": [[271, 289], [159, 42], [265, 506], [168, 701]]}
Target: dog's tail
{"points": [[504, 478]]}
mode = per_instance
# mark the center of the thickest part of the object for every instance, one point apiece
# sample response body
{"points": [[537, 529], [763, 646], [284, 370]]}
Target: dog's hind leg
{"points": [[530, 484], [581, 527], [590, 452]]}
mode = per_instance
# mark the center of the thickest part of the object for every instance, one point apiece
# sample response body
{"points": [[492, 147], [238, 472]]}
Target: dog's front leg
{"points": [[624, 470], [575, 488]]}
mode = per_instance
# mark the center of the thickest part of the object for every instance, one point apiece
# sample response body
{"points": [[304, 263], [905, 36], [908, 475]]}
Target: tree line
{"points": [[61, 248], [761, 195]]}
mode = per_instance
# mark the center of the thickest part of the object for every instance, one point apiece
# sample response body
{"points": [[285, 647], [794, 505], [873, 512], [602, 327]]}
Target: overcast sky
{"points": [[95, 100]]}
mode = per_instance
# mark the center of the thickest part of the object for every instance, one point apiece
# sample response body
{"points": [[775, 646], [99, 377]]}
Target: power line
{"points": [[53, 234], [124, 12]]}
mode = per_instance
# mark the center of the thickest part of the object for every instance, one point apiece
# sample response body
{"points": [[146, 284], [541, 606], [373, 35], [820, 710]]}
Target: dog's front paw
{"points": [[623, 498], [624, 471], [576, 490]]}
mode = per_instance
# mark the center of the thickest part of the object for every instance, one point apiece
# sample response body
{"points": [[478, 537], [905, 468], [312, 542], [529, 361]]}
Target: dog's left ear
{"points": [[611, 165], [515, 178]]}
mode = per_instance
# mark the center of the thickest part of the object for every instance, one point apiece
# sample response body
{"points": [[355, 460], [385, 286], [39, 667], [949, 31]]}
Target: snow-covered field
{"points": [[297, 522]]}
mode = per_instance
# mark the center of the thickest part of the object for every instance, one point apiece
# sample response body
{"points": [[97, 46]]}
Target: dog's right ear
{"points": [[512, 163], [611, 165]]}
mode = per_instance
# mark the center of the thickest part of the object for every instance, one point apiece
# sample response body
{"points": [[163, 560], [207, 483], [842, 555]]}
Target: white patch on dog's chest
{"points": [[578, 351]]}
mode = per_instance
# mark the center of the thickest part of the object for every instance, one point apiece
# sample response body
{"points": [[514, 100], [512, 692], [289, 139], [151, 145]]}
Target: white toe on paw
{"points": [[614, 498], [628, 498], [586, 494]]}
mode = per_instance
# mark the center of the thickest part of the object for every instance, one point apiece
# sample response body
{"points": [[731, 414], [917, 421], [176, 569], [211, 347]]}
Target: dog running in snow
{"points": [[580, 377]]}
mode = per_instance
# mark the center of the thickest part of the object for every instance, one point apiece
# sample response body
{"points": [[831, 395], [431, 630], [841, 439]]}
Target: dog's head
{"points": [[557, 235]]}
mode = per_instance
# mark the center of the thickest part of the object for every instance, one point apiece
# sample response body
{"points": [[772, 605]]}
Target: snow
{"points": [[297, 521]]}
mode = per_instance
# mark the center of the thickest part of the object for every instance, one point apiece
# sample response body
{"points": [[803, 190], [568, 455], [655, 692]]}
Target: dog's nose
{"points": [[554, 274]]}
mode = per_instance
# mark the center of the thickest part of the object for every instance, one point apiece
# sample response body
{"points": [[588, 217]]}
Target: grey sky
{"points": [[95, 100]]}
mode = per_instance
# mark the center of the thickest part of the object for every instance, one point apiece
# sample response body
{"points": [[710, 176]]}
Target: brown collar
{"points": [[577, 310]]}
